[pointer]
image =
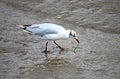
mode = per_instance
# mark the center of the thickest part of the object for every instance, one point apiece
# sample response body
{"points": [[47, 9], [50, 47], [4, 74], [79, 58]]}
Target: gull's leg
{"points": [[45, 51], [59, 46], [46, 47]]}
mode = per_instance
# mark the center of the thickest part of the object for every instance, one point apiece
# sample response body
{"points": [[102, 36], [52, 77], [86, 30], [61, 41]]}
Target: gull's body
{"points": [[50, 31]]}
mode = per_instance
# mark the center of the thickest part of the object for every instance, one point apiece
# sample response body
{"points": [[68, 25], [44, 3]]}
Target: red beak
{"points": [[77, 40]]}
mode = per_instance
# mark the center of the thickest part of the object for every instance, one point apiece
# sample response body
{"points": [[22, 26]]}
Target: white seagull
{"points": [[50, 31]]}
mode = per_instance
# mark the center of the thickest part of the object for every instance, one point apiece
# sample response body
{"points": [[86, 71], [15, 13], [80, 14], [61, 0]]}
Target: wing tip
{"points": [[24, 27]]}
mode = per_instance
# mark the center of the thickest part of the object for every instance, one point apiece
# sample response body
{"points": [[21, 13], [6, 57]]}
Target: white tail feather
{"points": [[21, 26], [26, 31]]}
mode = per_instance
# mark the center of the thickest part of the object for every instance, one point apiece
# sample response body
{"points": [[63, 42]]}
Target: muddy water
{"points": [[97, 23]]}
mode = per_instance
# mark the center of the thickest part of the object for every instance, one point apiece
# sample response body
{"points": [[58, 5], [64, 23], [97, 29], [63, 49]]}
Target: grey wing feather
{"points": [[45, 32], [40, 31], [44, 29]]}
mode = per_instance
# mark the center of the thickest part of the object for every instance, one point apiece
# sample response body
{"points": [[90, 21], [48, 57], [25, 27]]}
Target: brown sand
{"points": [[97, 23]]}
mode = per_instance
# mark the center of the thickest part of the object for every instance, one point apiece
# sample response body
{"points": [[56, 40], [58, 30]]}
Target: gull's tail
{"points": [[24, 27]]}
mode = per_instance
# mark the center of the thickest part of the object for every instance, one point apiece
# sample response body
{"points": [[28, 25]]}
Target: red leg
{"points": [[46, 46], [58, 46]]}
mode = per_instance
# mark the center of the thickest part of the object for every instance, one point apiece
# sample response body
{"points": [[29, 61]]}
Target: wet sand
{"points": [[97, 23]]}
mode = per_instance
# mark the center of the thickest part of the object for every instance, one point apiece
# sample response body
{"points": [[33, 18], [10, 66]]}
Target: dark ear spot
{"points": [[74, 35], [70, 33]]}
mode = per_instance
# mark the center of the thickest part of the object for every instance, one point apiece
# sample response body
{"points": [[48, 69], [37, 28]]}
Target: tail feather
{"points": [[24, 27], [21, 26]]}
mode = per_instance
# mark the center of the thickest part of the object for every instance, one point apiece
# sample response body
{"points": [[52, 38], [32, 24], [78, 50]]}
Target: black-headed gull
{"points": [[50, 31]]}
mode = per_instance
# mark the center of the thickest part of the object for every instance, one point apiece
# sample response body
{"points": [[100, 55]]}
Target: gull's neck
{"points": [[67, 33]]}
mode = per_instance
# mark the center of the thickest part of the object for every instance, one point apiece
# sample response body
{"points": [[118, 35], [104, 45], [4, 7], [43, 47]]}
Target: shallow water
{"points": [[96, 23]]}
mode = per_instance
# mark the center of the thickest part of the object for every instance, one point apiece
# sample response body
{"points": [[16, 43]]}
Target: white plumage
{"points": [[50, 31]]}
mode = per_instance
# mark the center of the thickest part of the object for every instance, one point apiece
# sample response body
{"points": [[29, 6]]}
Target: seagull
{"points": [[50, 31]]}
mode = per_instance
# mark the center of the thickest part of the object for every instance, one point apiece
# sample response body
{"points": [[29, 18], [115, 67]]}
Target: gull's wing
{"points": [[44, 29]]}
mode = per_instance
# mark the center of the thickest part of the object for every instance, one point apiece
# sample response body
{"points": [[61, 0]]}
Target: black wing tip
{"points": [[25, 26]]}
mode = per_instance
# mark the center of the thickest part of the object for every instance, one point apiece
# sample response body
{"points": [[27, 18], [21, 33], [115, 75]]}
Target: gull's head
{"points": [[73, 34]]}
